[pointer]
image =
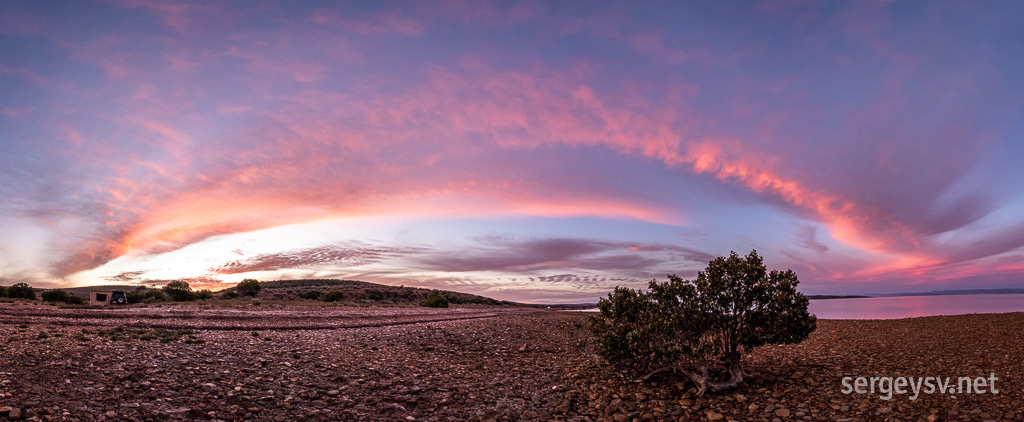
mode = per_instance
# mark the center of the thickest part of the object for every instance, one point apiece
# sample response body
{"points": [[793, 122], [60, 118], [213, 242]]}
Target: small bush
{"points": [[179, 291], [334, 296], [248, 287], [374, 294], [22, 291], [311, 295], [135, 297], [58, 295], [434, 300], [229, 295], [3, 291], [204, 294], [155, 296]]}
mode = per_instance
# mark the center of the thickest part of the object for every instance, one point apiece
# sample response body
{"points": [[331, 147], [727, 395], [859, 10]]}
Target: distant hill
{"points": [[343, 291], [824, 297], [956, 292], [352, 291]]}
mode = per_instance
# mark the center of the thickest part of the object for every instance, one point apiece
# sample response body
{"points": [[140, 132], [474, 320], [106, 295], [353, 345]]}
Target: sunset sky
{"points": [[532, 151]]}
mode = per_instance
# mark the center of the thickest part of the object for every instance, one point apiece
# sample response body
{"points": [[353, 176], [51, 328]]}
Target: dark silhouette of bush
{"points": [[179, 291], [688, 326], [3, 291], [434, 300], [21, 291], [58, 295], [204, 294], [311, 295], [374, 294], [333, 296], [230, 294], [154, 295], [248, 287]]}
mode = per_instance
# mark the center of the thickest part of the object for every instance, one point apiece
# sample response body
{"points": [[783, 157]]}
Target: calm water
{"points": [[915, 306], [911, 306]]}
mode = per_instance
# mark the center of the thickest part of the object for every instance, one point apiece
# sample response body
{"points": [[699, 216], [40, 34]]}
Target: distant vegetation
{"points": [[58, 295], [21, 291], [345, 292], [248, 287], [434, 300], [356, 292]]}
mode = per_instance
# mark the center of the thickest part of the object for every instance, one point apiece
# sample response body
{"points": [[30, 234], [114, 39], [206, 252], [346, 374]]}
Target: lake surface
{"points": [[915, 306], [910, 306]]}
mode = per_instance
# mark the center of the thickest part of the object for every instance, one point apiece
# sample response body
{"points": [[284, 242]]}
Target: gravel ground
{"points": [[498, 364]]}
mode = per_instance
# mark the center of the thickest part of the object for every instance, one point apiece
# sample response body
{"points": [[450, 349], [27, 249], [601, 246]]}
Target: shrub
{"points": [[154, 295], [248, 287], [56, 295], [179, 290], [21, 290], [204, 294], [434, 300], [231, 294], [135, 297], [3, 291], [311, 295], [686, 326], [333, 296], [374, 294]]}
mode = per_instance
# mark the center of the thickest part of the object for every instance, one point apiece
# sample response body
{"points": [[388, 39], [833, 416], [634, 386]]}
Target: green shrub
{"points": [[248, 287], [311, 295], [154, 295], [22, 291], [179, 291], [56, 295], [135, 297], [334, 296], [434, 300], [374, 294], [688, 326]]}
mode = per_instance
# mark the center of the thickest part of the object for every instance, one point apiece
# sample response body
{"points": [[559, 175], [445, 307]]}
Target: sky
{"points": [[540, 151]]}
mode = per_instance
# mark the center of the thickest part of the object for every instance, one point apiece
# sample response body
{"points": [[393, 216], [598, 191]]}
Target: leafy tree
{"points": [[687, 326], [434, 300], [248, 287], [179, 290], [21, 290]]}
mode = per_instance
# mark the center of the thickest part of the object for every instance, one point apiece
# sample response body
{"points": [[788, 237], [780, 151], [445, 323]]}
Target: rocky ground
{"points": [[493, 364]]}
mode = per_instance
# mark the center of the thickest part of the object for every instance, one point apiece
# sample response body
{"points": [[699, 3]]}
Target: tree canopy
{"points": [[686, 326], [248, 287]]}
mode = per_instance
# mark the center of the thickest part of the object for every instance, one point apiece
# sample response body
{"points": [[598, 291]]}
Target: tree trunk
{"points": [[700, 377], [736, 374]]}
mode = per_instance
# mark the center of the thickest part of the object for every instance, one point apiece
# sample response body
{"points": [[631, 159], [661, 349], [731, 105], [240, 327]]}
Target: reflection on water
{"points": [[915, 306], [910, 306]]}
